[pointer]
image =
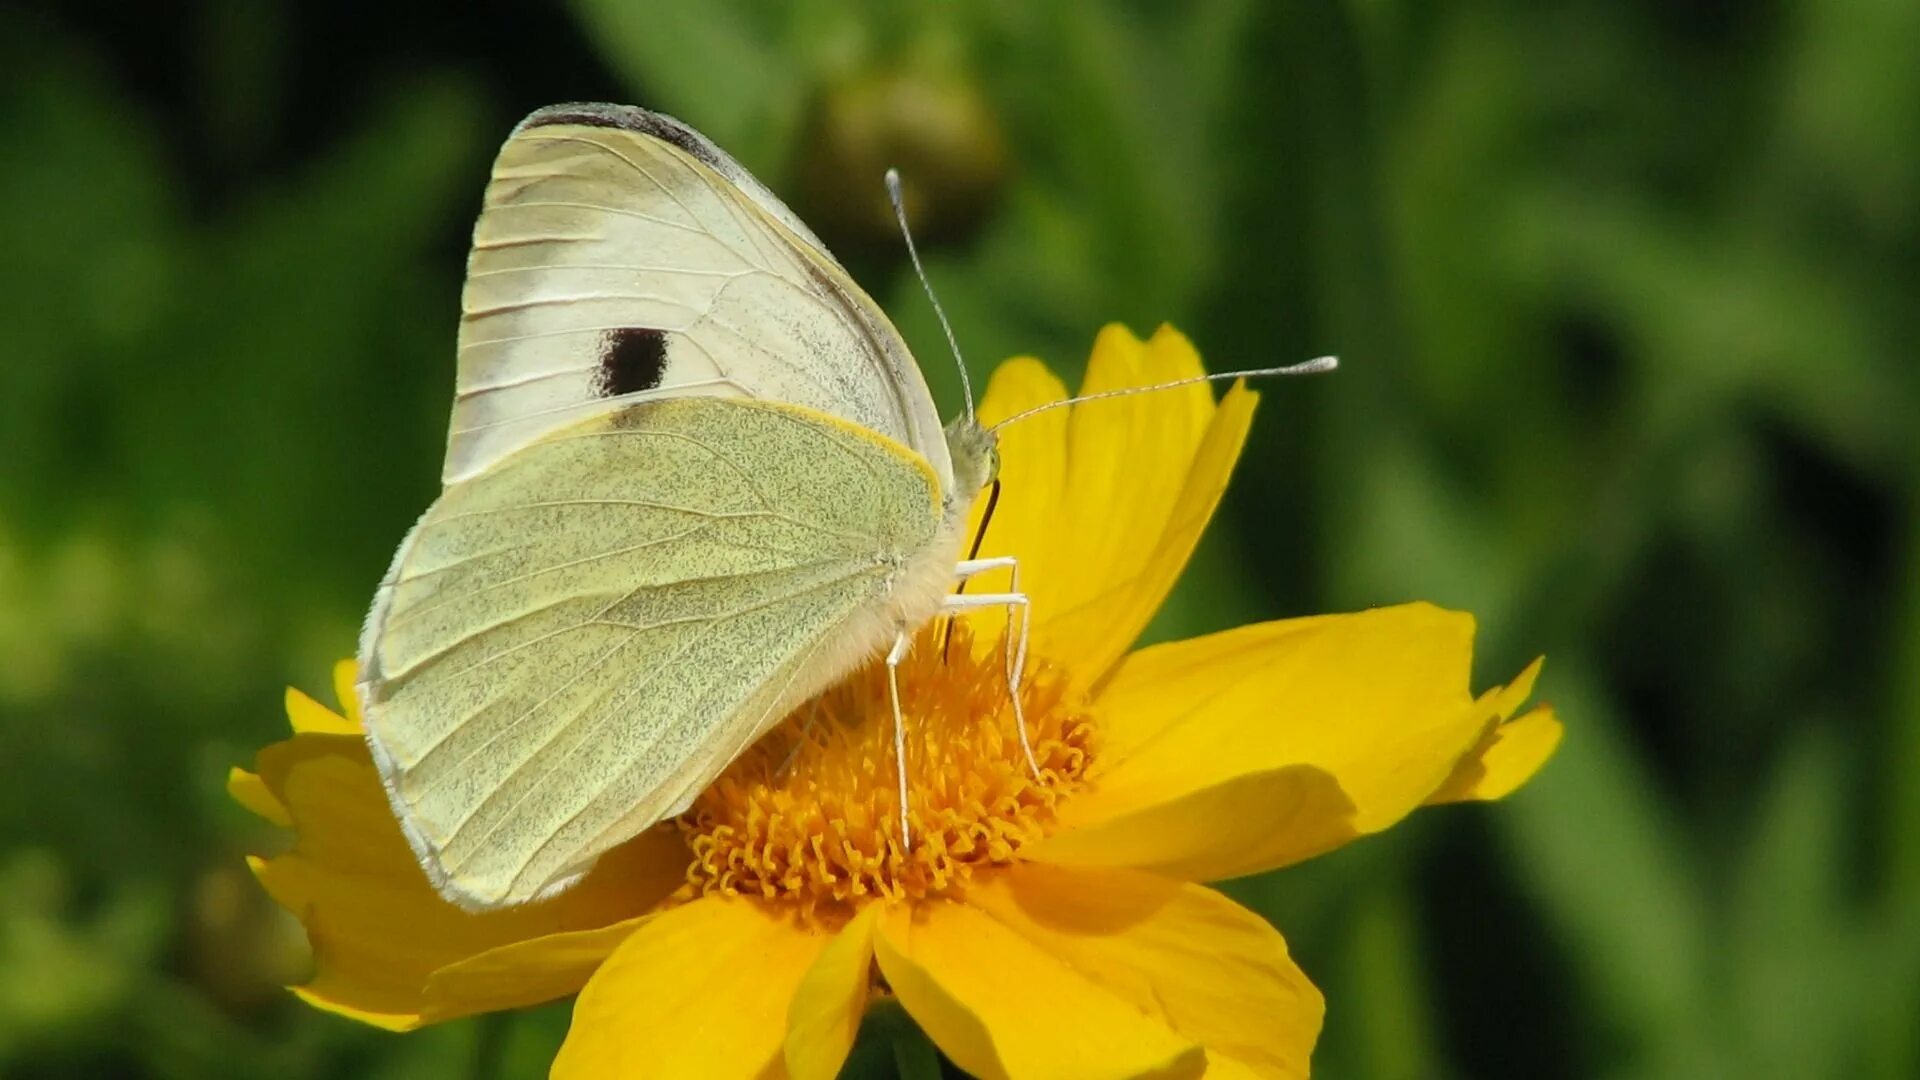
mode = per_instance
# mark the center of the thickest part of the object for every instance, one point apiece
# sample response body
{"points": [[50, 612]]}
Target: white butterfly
{"points": [[693, 478]]}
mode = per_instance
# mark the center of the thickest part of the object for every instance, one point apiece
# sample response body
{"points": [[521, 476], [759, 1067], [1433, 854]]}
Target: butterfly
{"points": [[693, 478]]}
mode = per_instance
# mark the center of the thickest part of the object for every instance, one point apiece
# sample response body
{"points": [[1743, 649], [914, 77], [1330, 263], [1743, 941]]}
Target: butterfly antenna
{"points": [[900, 215], [1307, 367]]}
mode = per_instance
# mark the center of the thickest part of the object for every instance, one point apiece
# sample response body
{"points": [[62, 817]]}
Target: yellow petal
{"points": [[329, 991], [831, 999], [1506, 700], [1107, 499], [345, 674], [1239, 826], [309, 717], [698, 990], [250, 791], [1309, 731], [1000, 1006], [1203, 965], [1033, 464], [1506, 758], [1149, 470], [380, 932], [522, 973], [1226, 1068]]}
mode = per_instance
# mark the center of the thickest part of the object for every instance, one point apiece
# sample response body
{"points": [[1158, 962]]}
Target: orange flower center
{"points": [[811, 814]]}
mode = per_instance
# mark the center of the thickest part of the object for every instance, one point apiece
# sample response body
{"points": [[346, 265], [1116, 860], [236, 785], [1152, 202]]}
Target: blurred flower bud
{"points": [[935, 127]]}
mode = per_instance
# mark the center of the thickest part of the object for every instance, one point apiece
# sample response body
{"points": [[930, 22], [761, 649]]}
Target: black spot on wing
{"points": [[631, 360], [627, 118]]}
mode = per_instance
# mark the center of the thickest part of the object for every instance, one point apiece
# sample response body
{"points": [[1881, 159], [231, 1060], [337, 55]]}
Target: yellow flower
{"points": [[1035, 927]]}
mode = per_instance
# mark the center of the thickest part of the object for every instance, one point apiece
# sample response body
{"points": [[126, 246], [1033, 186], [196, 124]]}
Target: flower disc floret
{"points": [[810, 815]]}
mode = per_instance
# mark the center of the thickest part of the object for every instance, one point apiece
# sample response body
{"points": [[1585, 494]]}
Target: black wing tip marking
{"points": [[627, 118], [632, 359]]}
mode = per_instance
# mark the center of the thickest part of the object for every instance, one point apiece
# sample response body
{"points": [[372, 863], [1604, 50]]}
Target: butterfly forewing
{"points": [[619, 257]]}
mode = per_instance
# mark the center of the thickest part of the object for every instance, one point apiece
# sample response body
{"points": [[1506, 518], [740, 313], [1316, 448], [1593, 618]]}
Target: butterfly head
{"points": [[975, 453]]}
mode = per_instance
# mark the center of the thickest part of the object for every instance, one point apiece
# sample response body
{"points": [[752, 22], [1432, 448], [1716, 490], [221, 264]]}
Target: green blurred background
{"points": [[1628, 295]]}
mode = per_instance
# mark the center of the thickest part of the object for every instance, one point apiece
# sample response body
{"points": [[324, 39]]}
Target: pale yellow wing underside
{"points": [[572, 644], [621, 257]]}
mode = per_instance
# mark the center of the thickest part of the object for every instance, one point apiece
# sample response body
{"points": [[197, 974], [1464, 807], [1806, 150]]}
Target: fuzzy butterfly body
{"points": [[693, 477]]}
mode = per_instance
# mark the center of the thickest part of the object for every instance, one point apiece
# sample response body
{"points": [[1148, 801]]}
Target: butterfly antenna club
{"points": [[900, 214]]}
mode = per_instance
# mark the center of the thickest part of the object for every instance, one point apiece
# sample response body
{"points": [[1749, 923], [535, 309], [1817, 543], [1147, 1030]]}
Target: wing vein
{"points": [[616, 211], [600, 722], [414, 613], [617, 154], [577, 298]]}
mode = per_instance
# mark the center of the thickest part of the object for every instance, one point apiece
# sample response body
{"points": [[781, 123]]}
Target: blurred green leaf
{"points": [[1602, 850], [1387, 1023], [1794, 957]]}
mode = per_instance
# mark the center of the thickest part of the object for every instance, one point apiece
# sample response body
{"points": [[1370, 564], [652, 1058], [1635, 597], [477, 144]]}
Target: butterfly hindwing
{"points": [[574, 643]]}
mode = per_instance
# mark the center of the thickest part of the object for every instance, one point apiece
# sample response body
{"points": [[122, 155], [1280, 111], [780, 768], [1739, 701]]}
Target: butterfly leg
{"points": [[1016, 654], [1016, 664], [894, 656], [967, 568]]}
